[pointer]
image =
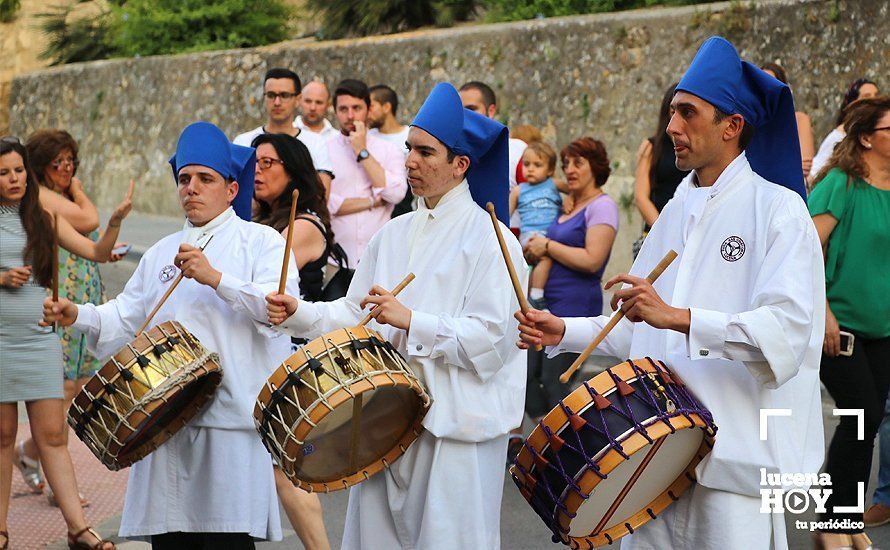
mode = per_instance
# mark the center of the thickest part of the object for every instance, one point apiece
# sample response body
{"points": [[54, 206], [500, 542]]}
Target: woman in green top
{"points": [[850, 206]]}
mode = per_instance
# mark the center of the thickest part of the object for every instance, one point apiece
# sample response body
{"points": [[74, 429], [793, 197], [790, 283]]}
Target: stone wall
{"points": [[600, 75]]}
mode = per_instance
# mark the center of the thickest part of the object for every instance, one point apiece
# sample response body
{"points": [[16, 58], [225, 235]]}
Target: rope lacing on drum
{"points": [[663, 414], [613, 441], [679, 394], [624, 392]]}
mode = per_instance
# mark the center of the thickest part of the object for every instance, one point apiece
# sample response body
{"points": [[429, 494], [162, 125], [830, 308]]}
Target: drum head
{"points": [[666, 465], [329, 454], [176, 408]]}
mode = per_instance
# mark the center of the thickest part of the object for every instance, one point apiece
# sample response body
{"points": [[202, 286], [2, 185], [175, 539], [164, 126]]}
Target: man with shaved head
{"points": [[314, 105]]}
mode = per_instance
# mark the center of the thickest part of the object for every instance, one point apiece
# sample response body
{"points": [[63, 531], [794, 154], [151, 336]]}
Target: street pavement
{"points": [[34, 524]]}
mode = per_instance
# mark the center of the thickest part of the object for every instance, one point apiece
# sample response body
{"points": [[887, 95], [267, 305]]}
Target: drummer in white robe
{"points": [[453, 324], [739, 315], [211, 484]]}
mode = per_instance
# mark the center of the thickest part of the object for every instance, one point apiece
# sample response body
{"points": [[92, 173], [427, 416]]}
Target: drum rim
{"points": [[340, 398], [137, 416], [340, 395], [632, 442]]}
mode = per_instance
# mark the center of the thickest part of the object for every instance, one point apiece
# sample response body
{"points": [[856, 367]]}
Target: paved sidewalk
{"points": [[33, 522]]}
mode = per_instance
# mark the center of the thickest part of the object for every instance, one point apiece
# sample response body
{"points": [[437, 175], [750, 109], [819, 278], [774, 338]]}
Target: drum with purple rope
{"points": [[614, 453]]}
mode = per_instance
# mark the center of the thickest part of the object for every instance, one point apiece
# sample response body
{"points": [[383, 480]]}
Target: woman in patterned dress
{"points": [[53, 159], [31, 362]]}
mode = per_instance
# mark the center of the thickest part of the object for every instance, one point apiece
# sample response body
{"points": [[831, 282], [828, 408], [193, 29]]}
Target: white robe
{"points": [[461, 343], [214, 475], [757, 320]]}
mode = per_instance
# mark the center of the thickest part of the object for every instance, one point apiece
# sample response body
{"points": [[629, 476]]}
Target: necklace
{"points": [[582, 203]]}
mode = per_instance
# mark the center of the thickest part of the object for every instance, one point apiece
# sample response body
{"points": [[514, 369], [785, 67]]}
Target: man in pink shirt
{"points": [[371, 176]]}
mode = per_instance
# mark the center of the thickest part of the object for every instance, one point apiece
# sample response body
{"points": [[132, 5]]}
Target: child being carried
{"points": [[539, 204]]}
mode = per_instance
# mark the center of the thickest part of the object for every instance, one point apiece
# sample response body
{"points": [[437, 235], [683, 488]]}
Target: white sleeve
{"points": [[249, 297], [580, 331], [320, 158], [772, 338], [482, 337], [312, 319], [110, 326]]}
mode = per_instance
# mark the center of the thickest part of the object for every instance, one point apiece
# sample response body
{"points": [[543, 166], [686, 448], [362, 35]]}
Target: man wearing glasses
{"points": [[281, 93]]}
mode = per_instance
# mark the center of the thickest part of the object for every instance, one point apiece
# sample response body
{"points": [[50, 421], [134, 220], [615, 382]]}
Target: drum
{"points": [[144, 394], [340, 409], [614, 453]]}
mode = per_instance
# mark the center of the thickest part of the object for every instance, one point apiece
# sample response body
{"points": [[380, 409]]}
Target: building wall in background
{"points": [[600, 75]]}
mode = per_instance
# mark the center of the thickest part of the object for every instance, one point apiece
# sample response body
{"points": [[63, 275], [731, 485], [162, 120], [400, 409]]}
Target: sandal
{"points": [[5, 535], [74, 542], [51, 498], [29, 468]]}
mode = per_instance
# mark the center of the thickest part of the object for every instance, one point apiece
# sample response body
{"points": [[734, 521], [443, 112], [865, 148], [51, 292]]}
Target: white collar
{"points": [[193, 235], [452, 196], [697, 197], [326, 125], [424, 215], [732, 169]]}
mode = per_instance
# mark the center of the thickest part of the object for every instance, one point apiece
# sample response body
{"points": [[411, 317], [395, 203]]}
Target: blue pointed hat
{"points": [[482, 139], [203, 144], [721, 78]]}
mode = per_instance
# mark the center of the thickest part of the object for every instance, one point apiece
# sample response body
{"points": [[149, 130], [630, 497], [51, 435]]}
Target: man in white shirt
{"points": [[211, 484], [370, 173], [281, 94], [314, 104], [480, 98], [739, 315], [383, 123], [453, 325]]}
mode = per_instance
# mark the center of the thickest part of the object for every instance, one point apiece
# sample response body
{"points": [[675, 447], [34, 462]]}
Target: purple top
{"points": [[571, 293]]}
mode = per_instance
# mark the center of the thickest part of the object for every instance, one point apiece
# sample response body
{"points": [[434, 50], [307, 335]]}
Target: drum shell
{"points": [[122, 420], [549, 492], [285, 432]]}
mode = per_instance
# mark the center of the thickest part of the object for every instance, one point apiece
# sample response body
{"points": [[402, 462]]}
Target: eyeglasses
{"points": [[58, 164], [881, 128], [12, 140], [266, 162], [272, 96]]}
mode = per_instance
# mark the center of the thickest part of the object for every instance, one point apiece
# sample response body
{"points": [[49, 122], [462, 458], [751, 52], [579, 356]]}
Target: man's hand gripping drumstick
{"points": [[386, 308], [639, 302]]}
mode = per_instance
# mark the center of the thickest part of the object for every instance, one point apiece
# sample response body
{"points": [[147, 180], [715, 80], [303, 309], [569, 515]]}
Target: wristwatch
{"points": [[362, 155]]}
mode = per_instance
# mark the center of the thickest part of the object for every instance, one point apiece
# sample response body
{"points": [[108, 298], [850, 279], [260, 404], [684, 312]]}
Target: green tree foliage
{"points": [[152, 27], [8, 9], [73, 38], [513, 10], [364, 17], [129, 28]]}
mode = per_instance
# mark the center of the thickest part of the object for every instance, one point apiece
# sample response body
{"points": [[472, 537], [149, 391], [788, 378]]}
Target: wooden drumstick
{"points": [[355, 430], [618, 315], [166, 295], [290, 239], [520, 294], [395, 292]]}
